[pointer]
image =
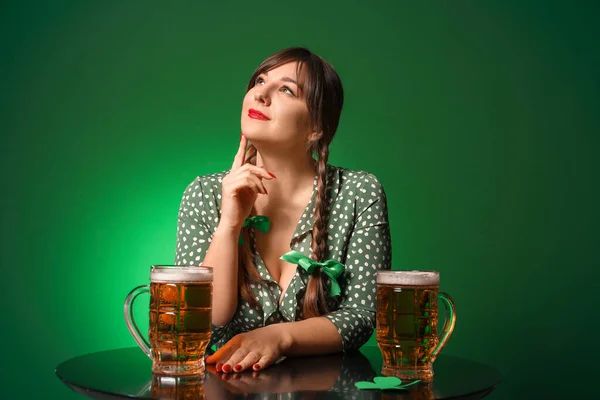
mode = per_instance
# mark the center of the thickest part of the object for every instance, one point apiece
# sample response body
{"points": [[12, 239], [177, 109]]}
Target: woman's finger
{"points": [[258, 171], [238, 161], [263, 363], [234, 359], [248, 361], [221, 355], [248, 181], [256, 179]]}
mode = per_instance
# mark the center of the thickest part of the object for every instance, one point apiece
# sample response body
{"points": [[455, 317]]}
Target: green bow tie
{"points": [[333, 269], [260, 222]]}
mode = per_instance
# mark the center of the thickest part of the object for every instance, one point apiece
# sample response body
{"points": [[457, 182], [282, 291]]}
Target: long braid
{"points": [[247, 273], [251, 155], [315, 302]]}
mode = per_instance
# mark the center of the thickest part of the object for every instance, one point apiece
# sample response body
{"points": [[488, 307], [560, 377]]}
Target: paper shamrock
{"points": [[384, 383]]}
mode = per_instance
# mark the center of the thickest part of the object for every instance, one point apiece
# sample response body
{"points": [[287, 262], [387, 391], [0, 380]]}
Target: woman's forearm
{"points": [[312, 336], [222, 256]]}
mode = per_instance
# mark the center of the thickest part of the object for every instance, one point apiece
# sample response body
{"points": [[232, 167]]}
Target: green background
{"points": [[480, 119]]}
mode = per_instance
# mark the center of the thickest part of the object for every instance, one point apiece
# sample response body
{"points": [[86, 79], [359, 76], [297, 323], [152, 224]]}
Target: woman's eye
{"points": [[287, 90], [258, 80]]}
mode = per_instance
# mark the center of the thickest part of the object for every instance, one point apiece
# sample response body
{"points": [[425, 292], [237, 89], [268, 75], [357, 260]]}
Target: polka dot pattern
{"points": [[358, 237]]}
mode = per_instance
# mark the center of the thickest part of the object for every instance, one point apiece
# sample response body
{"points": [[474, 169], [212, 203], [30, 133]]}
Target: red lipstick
{"points": [[252, 113]]}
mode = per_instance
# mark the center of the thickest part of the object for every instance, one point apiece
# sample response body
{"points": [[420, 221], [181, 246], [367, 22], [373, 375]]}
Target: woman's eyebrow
{"points": [[287, 79], [284, 79]]}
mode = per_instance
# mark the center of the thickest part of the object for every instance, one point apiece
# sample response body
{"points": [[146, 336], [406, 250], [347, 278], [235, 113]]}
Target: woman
{"points": [[264, 223]]}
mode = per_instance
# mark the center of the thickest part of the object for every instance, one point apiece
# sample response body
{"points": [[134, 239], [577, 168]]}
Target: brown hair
{"points": [[322, 90]]}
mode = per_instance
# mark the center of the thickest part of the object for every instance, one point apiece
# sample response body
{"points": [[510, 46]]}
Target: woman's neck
{"points": [[295, 173]]}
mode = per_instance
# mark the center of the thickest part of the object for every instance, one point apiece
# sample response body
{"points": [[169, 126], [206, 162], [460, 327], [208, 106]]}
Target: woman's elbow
{"points": [[220, 322]]}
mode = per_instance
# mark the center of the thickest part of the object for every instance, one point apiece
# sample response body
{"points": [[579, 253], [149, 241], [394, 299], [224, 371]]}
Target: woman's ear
{"points": [[315, 136]]}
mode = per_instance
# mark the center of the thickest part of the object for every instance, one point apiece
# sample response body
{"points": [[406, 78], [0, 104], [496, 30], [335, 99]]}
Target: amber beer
{"points": [[407, 322], [180, 318]]}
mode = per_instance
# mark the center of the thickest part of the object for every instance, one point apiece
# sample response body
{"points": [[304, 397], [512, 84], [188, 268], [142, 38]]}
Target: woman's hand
{"points": [[256, 350], [240, 188]]}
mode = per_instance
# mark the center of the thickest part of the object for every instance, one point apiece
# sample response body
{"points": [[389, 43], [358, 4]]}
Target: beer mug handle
{"points": [[130, 320], [448, 325]]}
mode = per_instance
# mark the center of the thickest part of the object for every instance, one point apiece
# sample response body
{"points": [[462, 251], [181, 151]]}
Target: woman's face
{"points": [[273, 110]]}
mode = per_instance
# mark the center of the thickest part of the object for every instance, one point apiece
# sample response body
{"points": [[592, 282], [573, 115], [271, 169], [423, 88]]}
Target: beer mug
{"points": [[180, 318], [407, 322]]}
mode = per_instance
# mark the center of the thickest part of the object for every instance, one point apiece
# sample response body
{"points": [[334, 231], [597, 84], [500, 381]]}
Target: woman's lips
{"points": [[252, 113]]}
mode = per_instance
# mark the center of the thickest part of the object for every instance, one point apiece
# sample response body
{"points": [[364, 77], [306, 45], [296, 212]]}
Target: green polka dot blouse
{"points": [[358, 237]]}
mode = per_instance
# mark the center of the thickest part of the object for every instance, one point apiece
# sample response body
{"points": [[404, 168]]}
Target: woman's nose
{"points": [[262, 97]]}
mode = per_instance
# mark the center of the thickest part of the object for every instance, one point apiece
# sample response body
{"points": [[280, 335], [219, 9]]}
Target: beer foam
{"points": [[180, 274], [411, 278]]}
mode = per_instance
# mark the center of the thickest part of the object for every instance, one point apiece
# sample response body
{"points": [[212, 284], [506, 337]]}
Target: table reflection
{"points": [[126, 373], [292, 378]]}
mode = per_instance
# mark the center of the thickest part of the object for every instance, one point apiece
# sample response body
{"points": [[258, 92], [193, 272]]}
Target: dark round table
{"points": [[126, 373]]}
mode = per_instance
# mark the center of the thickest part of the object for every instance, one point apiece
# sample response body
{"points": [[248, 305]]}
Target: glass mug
{"points": [[407, 321], [180, 318]]}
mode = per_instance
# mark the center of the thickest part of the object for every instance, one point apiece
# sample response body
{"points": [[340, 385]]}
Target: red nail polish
{"points": [[237, 368], [226, 368], [219, 367], [270, 173], [256, 367], [241, 134]]}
